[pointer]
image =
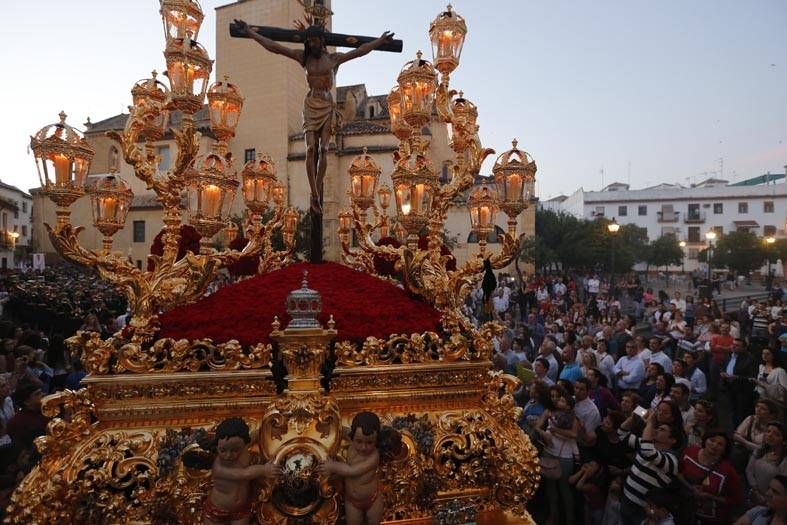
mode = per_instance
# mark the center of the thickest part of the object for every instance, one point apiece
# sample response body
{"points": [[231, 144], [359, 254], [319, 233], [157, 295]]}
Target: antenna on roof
{"points": [[629, 174], [602, 177]]}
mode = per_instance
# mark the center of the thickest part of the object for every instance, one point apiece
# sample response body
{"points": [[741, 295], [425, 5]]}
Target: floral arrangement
{"points": [[420, 428], [189, 241], [362, 306], [172, 446]]}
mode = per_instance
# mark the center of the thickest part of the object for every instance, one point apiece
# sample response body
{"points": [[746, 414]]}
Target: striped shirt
{"points": [[652, 469]]}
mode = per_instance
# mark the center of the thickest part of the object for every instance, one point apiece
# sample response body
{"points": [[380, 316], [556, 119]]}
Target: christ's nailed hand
{"points": [[243, 27]]}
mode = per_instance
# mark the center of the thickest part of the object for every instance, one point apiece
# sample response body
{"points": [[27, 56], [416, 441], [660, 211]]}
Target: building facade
{"points": [[688, 213], [16, 225]]}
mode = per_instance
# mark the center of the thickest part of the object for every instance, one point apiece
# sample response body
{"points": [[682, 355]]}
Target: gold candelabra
{"points": [[209, 180], [421, 201]]}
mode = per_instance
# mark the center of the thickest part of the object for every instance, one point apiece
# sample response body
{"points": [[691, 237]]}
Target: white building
{"points": [[758, 205], [16, 220]]}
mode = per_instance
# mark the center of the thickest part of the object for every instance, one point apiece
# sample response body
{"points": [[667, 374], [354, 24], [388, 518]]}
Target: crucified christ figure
{"points": [[320, 118]]}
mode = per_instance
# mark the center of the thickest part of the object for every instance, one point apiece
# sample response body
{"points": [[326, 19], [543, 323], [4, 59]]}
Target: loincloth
{"points": [[217, 515], [366, 503], [319, 112]]}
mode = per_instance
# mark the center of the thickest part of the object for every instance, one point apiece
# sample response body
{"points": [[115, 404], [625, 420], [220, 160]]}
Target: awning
{"points": [[746, 224]]}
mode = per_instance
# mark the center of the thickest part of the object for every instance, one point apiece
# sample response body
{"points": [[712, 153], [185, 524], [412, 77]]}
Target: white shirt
{"points": [[636, 372], [644, 355], [588, 414], [699, 385], [680, 304], [553, 366], [593, 285], [606, 363]]}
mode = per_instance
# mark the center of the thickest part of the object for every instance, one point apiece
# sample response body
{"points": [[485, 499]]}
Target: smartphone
{"points": [[641, 412]]}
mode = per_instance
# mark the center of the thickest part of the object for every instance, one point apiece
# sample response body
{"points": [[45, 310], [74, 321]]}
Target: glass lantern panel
{"points": [[444, 45], [403, 198], [419, 191], [485, 216], [357, 185], [229, 198], [176, 71], [81, 167], [108, 208], [514, 187], [232, 115], [473, 216], [457, 44]]}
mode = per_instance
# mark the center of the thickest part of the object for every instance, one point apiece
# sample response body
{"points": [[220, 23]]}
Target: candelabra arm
{"points": [[443, 97]]}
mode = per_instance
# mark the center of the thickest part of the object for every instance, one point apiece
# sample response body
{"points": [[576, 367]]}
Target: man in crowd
{"points": [[629, 370]]}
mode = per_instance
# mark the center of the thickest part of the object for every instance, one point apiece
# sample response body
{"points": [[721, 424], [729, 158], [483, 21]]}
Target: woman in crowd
{"points": [[774, 511], [768, 461], [664, 383], [771, 382], [750, 433], [704, 418], [558, 430], [647, 391], [716, 487]]}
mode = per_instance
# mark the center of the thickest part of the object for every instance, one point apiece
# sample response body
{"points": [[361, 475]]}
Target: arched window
{"points": [[114, 159], [492, 238]]}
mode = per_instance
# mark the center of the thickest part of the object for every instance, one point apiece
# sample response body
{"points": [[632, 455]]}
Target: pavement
{"points": [[727, 300]]}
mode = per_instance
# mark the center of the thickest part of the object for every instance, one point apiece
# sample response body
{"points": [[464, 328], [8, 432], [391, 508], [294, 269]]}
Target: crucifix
{"points": [[320, 118]]}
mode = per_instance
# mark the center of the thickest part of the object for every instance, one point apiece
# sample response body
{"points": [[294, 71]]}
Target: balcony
{"points": [[668, 216], [694, 217]]}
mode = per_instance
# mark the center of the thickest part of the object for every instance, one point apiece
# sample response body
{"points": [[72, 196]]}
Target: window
{"points": [[24, 206], [163, 153], [24, 230], [768, 230], [445, 177], [693, 212], [139, 231], [694, 234], [743, 207], [16, 227], [642, 210], [599, 211], [693, 253], [623, 211], [767, 207], [249, 155], [371, 111], [718, 208]]}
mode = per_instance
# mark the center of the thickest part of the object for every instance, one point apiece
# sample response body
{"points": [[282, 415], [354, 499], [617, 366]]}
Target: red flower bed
{"points": [[361, 305]]}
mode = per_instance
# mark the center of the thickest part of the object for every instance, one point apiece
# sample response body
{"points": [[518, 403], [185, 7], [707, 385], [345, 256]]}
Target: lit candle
{"points": [[211, 201], [514, 187], [406, 208], [418, 200], [357, 186], [444, 44], [108, 209], [485, 216], [62, 169]]}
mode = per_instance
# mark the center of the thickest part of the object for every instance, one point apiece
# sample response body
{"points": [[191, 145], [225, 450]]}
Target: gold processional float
{"points": [[115, 451]]}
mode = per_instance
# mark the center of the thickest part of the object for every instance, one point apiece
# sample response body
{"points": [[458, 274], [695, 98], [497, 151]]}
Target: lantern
{"points": [[62, 158], [290, 225], [110, 201], [277, 193], [364, 174], [231, 232], [483, 209], [188, 69], [414, 188], [515, 175], [417, 84], [258, 178], [447, 33], [150, 100], [345, 225], [211, 189], [225, 103], [182, 18], [399, 127]]}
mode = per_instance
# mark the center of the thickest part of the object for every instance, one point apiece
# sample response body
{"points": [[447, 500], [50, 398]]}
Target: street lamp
{"points": [[710, 236], [682, 245], [613, 228], [769, 240]]}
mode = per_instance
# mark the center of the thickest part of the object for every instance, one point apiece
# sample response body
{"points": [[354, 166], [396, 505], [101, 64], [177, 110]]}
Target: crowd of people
{"points": [[646, 408]]}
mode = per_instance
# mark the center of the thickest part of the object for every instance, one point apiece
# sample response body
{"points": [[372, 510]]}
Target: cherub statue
{"points": [[230, 498], [363, 502]]}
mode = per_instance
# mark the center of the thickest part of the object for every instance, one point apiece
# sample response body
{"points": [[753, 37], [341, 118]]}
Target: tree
{"points": [[741, 251], [664, 251]]}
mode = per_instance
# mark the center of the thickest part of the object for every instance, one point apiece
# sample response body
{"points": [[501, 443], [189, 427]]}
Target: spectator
{"points": [[571, 370], [658, 503], [737, 375], [658, 356], [647, 389], [771, 381], [750, 433], [547, 352], [696, 377], [600, 394], [590, 481], [704, 418], [768, 461], [664, 383], [28, 423], [716, 486], [655, 466], [604, 361], [774, 510], [679, 394], [629, 371]]}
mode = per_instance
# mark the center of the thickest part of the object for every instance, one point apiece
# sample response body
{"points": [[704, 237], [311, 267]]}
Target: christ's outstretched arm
{"points": [[364, 49], [270, 45]]}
